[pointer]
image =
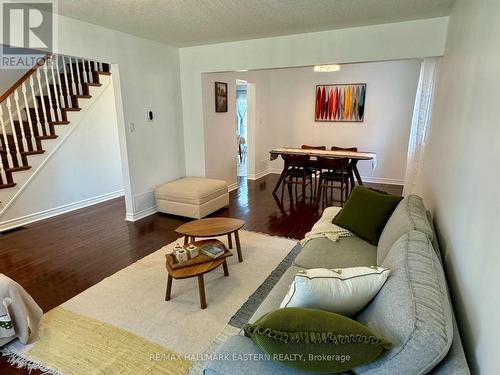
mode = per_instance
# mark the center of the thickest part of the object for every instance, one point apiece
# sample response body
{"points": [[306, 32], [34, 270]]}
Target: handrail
{"points": [[28, 74]]}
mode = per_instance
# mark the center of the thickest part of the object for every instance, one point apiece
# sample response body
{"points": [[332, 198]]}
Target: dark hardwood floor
{"points": [[58, 258]]}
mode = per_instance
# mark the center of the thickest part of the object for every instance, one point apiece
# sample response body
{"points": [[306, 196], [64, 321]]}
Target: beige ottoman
{"points": [[194, 197]]}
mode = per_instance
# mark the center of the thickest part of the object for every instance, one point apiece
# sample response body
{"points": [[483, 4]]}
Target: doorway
{"points": [[241, 128]]}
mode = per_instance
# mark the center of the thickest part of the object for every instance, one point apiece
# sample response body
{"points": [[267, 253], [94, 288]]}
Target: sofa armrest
{"points": [[454, 362]]}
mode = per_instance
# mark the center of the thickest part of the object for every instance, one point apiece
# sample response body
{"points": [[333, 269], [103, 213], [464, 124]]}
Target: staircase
{"points": [[39, 110]]}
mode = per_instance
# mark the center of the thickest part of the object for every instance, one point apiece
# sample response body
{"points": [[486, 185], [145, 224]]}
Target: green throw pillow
{"points": [[315, 340], [366, 212]]}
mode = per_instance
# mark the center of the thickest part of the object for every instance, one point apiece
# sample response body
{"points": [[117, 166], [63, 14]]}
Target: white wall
{"points": [[8, 77], [148, 79], [285, 111], [460, 174], [86, 167], [412, 39], [220, 128]]}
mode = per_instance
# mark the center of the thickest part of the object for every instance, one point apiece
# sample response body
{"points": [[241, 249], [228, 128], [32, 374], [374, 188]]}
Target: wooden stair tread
{"points": [[72, 109], [34, 152], [82, 96], [58, 122], [8, 185], [104, 73], [42, 137], [18, 169], [93, 84]]}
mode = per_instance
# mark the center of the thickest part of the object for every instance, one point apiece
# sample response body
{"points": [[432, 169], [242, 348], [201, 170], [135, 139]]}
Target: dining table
{"points": [[355, 156]]}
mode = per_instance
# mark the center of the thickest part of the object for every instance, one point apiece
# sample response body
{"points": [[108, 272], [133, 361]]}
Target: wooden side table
{"points": [[197, 270], [213, 227]]}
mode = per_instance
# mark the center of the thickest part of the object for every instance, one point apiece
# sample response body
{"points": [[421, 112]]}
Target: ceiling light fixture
{"points": [[327, 68], [242, 70]]}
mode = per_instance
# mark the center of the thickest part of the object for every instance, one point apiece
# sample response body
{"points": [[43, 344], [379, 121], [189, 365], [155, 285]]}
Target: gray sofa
{"points": [[413, 310]]}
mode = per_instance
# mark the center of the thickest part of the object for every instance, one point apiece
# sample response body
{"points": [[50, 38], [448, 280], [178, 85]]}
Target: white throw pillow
{"points": [[344, 291]]}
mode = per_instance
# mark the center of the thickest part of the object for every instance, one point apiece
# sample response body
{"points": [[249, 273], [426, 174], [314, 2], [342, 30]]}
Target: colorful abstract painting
{"points": [[340, 103]]}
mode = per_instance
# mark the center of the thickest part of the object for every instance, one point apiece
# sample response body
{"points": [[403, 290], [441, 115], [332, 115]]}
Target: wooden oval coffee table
{"points": [[213, 227], [196, 270]]}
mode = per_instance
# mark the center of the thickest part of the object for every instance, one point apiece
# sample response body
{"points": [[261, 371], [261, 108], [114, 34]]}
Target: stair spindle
{"points": [[46, 127], [80, 88], [68, 94], [28, 116], [56, 90], [89, 72], [73, 85], [38, 122], [10, 161], [14, 132], [85, 78], [61, 95], [3, 174], [47, 87], [24, 139]]}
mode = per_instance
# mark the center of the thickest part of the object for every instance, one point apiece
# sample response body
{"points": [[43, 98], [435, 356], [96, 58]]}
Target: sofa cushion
{"points": [[366, 212], [344, 291], [346, 252], [409, 215], [412, 310], [306, 336], [191, 190]]}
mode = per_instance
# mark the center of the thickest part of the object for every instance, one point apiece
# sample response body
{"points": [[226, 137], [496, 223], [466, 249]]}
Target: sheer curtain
{"points": [[420, 123]]}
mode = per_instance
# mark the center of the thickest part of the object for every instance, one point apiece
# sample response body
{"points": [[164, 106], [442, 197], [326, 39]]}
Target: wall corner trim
{"points": [[141, 214]]}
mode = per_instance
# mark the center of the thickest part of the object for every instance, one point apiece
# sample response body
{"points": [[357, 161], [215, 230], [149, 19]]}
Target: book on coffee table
{"points": [[212, 251]]}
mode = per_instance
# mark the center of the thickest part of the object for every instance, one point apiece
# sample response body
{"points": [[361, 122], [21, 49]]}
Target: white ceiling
{"points": [[194, 22]]}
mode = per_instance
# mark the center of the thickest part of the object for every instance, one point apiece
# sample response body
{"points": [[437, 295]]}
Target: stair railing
{"points": [[39, 98]]}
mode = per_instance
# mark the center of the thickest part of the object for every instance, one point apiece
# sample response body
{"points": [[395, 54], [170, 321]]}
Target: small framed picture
{"points": [[220, 97]]}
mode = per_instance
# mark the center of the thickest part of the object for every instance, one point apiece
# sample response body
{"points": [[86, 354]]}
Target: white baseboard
{"points": [[381, 180], [261, 174], [232, 187], [31, 218], [141, 214]]}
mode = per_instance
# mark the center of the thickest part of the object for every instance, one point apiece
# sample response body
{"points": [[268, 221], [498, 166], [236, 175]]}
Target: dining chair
{"points": [[350, 166], [296, 173], [333, 171], [312, 163]]}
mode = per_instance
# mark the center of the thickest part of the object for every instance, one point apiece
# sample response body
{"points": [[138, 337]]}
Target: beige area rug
{"points": [[123, 325]]}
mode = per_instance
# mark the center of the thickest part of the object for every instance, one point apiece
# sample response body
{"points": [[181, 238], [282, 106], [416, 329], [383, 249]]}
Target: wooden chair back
{"points": [[307, 147], [340, 164], [348, 164], [335, 148], [295, 161]]}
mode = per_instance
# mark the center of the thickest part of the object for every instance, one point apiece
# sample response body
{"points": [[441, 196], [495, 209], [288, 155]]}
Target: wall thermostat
{"points": [[150, 115]]}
